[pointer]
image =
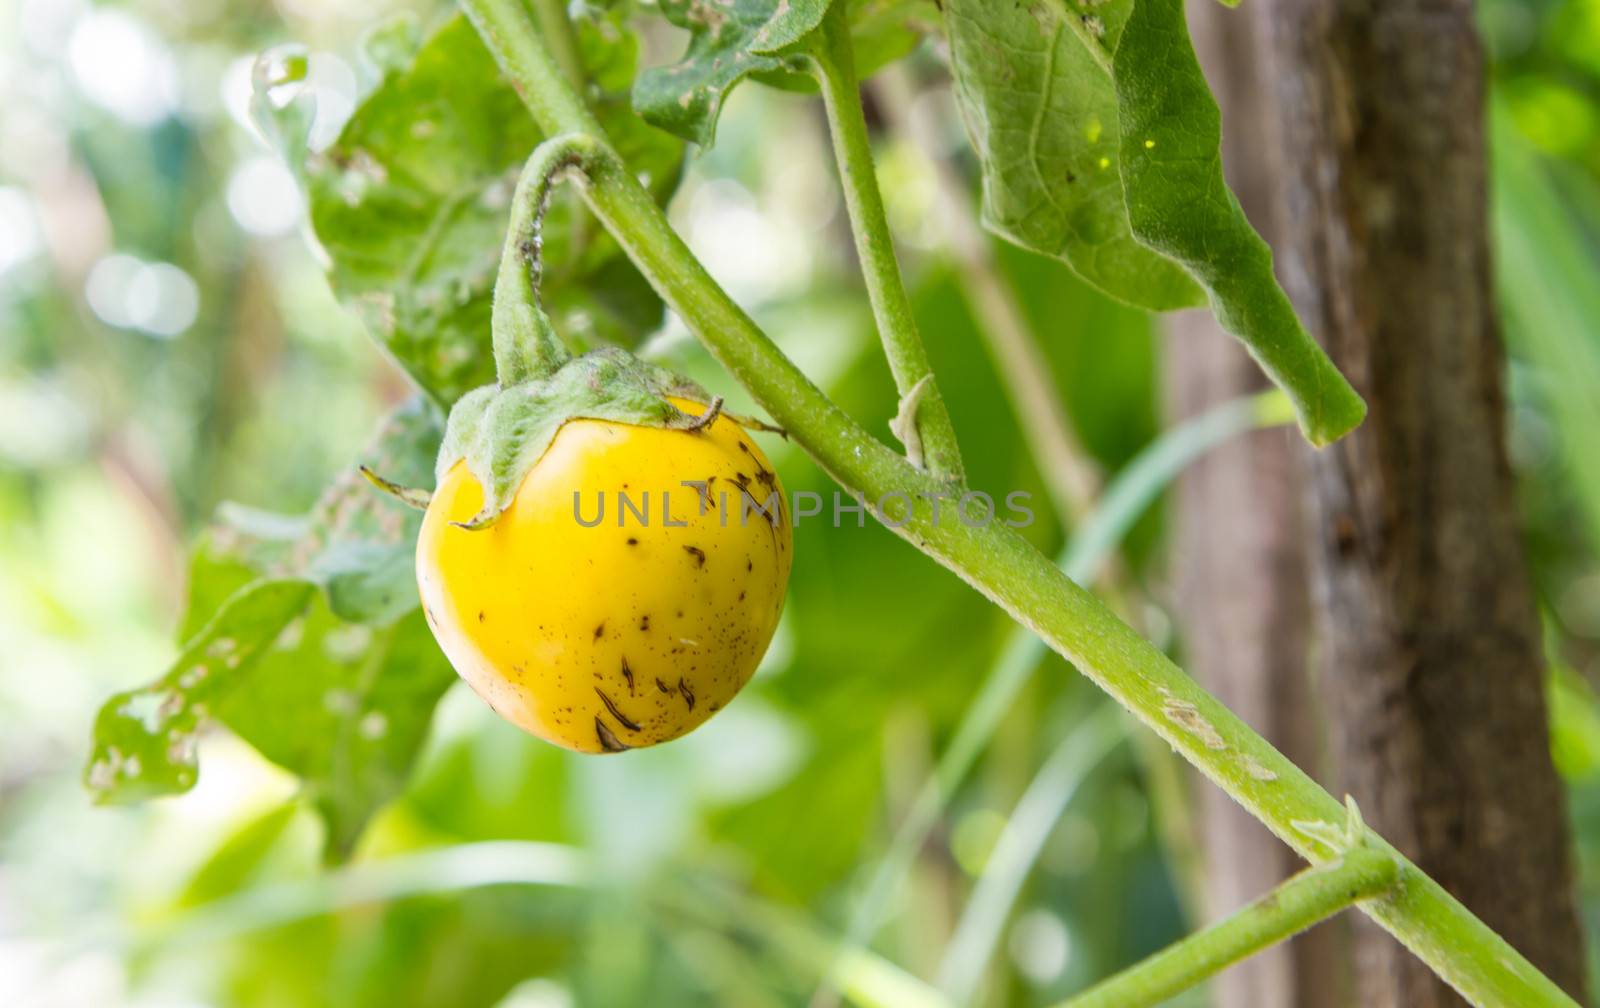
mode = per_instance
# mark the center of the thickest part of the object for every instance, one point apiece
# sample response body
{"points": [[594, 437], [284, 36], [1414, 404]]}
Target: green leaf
{"points": [[730, 40], [1043, 118], [310, 646], [409, 204], [144, 739], [1100, 145], [1179, 205]]}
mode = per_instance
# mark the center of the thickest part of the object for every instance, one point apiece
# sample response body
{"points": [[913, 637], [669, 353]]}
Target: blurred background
{"points": [[169, 344]]}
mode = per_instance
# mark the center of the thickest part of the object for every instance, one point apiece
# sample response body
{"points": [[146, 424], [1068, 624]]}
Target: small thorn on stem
{"points": [[707, 418], [904, 424]]}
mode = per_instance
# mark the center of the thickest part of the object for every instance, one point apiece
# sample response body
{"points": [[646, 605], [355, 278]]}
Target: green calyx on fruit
{"points": [[501, 432]]}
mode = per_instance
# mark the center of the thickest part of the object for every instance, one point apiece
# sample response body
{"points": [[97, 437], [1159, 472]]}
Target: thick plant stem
{"points": [[1310, 897], [529, 66], [833, 64], [997, 560]]}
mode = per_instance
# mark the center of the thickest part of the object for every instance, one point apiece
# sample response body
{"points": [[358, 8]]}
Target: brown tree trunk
{"points": [[1431, 644], [1242, 592]]}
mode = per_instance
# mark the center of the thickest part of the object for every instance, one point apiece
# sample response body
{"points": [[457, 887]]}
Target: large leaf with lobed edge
{"points": [[304, 637], [1100, 145], [409, 203]]}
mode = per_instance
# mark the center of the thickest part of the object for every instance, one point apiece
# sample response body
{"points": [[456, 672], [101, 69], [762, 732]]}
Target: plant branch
{"points": [[832, 61], [994, 558], [1306, 899], [1070, 477]]}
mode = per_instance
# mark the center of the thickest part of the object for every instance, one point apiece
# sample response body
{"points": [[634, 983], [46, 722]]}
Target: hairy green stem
{"points": [[526, 59], [996, 560], [1306, 899], [832, 61]]}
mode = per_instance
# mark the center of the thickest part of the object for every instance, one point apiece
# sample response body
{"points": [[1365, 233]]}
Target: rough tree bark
{"points": [[1242, 595], [1432, 650]]}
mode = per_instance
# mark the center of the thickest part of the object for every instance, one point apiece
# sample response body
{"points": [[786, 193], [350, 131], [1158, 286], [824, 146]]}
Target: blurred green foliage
{"points": [[168, 343]]}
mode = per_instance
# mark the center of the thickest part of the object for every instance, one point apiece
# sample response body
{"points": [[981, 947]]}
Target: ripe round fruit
{"points": [[614, 636]]}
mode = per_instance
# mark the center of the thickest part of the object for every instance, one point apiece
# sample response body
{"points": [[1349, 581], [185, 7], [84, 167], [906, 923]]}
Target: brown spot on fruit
{"points": [[632, 541], [663, 687], [608, 740], [599, 629], [480, 615], [611, 706], [627, 673], [698, 554], [688, 694]]}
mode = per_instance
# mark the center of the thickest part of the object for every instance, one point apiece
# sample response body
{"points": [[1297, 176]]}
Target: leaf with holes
{"points": [[316, 653]]}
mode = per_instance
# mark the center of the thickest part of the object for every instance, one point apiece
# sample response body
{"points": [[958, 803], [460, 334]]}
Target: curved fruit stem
{"points": [[932, 439], [998, 561], [525, 344]]}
